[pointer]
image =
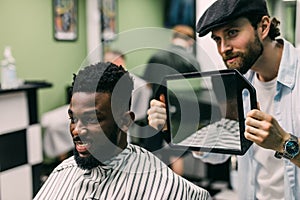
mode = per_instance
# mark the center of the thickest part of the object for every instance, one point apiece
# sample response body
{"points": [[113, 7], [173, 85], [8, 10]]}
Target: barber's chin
{"points": [[241, 70]]}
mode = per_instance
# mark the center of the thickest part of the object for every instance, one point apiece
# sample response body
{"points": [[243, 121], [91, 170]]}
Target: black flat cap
{"points": [[223, 11]]}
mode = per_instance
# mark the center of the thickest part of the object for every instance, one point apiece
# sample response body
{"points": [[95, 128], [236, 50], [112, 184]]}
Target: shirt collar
{"points": [[288, 63], [287, 67]]}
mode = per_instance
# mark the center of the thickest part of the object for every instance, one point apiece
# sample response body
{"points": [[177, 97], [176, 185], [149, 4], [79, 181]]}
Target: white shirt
{"points": [[270, 171]]}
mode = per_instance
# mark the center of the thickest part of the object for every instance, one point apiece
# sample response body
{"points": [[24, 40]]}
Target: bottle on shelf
{"points": [[8, 70]]}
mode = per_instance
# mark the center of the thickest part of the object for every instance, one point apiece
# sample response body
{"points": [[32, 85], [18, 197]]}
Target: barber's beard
{"points": [[248, 58]]}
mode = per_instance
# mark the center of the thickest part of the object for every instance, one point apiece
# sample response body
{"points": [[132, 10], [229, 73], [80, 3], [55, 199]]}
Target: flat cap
{"points": [[223, 11]]}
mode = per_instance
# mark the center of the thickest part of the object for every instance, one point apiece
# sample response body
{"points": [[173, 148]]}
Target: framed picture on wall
{"points": [[65, 20], [108, 10]]}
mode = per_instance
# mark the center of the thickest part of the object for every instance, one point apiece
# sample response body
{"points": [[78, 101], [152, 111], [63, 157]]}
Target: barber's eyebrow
{"points": [[227, 27]]}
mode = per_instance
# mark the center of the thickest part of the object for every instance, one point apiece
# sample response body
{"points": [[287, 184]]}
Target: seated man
{"points": [[104, 165], [56, 141]]}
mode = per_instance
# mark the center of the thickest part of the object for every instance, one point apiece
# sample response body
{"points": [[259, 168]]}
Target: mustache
{"points": [[80, 138], [228, 56]]}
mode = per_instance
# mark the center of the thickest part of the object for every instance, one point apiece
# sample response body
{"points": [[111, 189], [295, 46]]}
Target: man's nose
{"points": [[79, 129], [225, 47]]}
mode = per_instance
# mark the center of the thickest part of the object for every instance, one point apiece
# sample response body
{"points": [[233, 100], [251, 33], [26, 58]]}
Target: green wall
{"points": [[134, 18], [139, 13], [27, 26]]}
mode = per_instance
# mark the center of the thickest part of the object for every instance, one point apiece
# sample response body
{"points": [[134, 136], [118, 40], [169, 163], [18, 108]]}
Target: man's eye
{"points": [[91, 120], [232, 33]]}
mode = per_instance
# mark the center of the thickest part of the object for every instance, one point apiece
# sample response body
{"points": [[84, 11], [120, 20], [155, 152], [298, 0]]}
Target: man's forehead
{"points": [[242, 21], [90, 99]]}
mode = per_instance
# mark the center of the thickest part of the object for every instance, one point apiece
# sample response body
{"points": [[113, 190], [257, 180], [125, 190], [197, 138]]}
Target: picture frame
{"points": [[65, 20], [108, 20]]}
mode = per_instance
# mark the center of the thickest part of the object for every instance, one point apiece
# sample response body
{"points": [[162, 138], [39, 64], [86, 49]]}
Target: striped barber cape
{"points": [[134, 174]]}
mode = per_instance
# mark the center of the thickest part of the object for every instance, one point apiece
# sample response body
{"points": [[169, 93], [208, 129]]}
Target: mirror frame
{"points": [[241, 84]]}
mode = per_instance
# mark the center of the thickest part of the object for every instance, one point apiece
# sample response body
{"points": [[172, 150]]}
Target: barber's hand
{"points": [[157, 115], [264, 130]]}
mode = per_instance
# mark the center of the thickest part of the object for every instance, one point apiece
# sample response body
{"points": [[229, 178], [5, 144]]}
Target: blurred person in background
{"points": [[177, 58]]}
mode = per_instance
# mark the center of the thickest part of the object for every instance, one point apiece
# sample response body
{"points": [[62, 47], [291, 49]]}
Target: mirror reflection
{"points": [[203, 112]]}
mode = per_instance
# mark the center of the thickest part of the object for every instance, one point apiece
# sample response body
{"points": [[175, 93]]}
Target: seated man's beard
{"points": [[89, 162]]}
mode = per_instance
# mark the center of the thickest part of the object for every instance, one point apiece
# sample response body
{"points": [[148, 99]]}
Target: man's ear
{"points": [[265, 26], [127, 120]]}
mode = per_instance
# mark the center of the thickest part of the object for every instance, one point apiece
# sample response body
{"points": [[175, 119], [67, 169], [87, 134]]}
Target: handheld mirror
{"points": [[205, 111]]}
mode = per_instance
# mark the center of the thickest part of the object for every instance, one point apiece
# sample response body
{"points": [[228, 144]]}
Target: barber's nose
{"points": [[224, 47]]}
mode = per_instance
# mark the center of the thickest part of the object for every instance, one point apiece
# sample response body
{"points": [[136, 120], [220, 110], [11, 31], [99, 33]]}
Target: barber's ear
{"points": [[127, 120], [265, 26]]}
